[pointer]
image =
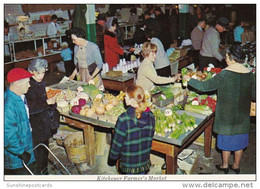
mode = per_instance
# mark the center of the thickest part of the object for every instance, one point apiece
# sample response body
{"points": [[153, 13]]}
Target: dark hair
{"points": [[150, 33], [53, 17], [147, 13], [236, 53], [158, 9], [114, 22], [79, 32], [201, 20], [133, 10], [6, 24], [22, 28]]}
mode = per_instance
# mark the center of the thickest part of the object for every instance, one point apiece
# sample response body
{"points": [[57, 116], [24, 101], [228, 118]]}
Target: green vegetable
{"points": [[202, 97], [184, 71], [175, 124], [201, 109], [117, 110], [191, 96], [91, 90], [177, 107]]}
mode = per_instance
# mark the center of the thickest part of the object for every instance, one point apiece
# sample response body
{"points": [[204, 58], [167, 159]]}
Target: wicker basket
{"points": [[75, 148]]}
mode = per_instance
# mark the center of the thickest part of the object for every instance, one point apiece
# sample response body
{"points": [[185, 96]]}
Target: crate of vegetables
{"points": [[161, 99]]}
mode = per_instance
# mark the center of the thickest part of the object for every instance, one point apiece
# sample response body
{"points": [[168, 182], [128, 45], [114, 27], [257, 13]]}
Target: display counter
{"points": [[167, 146]]}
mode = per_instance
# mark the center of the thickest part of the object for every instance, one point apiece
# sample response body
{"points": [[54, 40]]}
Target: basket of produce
{"points": [[168, 94], [75, 148], [160, 99]]}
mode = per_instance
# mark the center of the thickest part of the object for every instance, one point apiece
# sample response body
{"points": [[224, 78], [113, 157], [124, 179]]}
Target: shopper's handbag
{"points": [[52, 119]]}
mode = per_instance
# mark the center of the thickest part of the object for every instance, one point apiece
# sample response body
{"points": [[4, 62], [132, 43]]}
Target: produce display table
{"points": [[118, 83], [168, 146]]}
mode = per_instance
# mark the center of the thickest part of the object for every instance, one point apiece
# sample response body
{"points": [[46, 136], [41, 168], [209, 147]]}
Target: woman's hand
{"points": [[132, 49], [89, 78], [72, 76], [186, 78], [50, 101], [177, 77]]}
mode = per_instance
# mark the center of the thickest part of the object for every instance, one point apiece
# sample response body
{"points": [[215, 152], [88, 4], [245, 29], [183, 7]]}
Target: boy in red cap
{"points": [[18, 145]]}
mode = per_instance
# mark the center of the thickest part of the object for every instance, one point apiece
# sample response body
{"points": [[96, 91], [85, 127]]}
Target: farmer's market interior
{"points": [[184, 142]]}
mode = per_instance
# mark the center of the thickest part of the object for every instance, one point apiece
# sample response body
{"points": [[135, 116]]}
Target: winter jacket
{"points": [[235, 91], [112, 49], [38, 107], [17, 131], [132, 141]]}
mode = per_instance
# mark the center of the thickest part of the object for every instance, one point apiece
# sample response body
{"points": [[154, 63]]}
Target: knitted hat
{"points": [[17, 74]]}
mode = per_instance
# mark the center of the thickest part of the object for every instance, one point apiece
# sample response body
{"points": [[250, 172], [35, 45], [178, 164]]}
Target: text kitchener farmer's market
{"points": [[131, 178]]}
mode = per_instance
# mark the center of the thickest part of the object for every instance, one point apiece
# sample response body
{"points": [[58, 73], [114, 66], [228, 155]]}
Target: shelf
{"points": [[12, 48]]}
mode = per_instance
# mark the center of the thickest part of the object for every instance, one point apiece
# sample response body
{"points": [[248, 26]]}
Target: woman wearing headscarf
{"points": [[112, 48]]}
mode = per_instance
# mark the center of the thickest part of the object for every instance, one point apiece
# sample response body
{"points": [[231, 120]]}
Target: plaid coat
{"points": [[132, 141]]}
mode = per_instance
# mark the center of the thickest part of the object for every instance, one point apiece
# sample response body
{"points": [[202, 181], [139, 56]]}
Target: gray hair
{"points": [[38, 65]]}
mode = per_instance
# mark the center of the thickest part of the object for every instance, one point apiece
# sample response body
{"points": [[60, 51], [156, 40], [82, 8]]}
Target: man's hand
{"points": [[25, 157]]}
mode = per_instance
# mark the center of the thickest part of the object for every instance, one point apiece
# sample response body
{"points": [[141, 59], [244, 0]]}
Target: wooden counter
{"points": [[169, 147]]}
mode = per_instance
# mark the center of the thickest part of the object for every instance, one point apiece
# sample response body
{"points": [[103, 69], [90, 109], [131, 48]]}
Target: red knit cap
{"points": [[17, 74]]}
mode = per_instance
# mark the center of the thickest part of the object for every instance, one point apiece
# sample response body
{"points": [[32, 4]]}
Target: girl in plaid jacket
{"points": [[133, 135]]}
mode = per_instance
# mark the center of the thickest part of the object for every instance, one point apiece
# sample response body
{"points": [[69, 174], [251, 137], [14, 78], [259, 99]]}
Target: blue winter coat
{"points": [[17, 131]]}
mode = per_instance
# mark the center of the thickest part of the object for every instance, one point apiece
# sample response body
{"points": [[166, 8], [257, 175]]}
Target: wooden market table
{"points": [[119, 83], [168, 146]]}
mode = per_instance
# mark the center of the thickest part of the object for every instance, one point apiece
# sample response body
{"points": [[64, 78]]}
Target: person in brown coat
{"points": [[196, 38]]}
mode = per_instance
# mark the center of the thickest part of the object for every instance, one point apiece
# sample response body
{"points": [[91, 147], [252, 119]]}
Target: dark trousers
{"points": [[164, 72], [69, 67], [195, 54], [21, 171], [205, 61], [41, 156]]}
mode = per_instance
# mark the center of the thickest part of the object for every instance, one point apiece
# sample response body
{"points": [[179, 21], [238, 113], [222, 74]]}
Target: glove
{"points": [[25, 157], [111, 162]]}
